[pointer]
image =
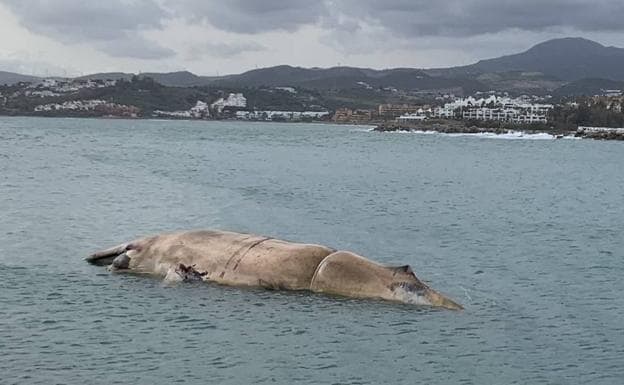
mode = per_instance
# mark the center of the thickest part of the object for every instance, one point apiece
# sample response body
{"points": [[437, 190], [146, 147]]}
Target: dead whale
{"points": [[238, 259]]}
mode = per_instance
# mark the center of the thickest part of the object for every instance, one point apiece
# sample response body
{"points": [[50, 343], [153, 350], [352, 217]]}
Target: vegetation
{"points": [[141, 92], [593, 112], [148, 95]]}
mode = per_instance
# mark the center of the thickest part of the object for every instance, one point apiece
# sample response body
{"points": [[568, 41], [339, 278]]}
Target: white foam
{"points": [[424, 132], [411, 132], [510, 135], [172, 276], [358, 128]]}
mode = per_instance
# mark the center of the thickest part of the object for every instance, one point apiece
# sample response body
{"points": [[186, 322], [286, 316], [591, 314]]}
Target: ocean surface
{"points": [[527, 234]]}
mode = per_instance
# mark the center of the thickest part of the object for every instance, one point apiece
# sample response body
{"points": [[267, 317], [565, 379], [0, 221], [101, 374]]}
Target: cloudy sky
{"points": [[209, 37]]}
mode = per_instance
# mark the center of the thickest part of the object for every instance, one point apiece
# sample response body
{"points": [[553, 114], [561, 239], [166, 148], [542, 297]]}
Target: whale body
{"points": [[238, 259]]}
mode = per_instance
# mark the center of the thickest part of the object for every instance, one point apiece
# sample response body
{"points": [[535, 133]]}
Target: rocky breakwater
{"points": [[439, 125], [603, 133]]}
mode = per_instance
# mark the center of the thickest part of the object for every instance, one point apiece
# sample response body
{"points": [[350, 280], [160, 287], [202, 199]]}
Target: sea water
{"points": [[527, 234]]}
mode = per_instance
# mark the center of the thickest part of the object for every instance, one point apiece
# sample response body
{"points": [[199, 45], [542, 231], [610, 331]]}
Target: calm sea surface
{"points": [[527, 234]]}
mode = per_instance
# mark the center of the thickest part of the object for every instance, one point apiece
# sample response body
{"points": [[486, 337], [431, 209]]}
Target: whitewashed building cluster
{"points": [[420, 115], [65, 86], [199, 111], [284, 115], [94, 105], [495, 108], [74, 105], [233, 100]]}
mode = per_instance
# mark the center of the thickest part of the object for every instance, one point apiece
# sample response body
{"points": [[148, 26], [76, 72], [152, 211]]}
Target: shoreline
{"points": [[438, 126], [509, 135], [371, 125], [457, 127]]}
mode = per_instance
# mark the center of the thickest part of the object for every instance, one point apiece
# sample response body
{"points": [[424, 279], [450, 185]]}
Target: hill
{"points": [[170, 79], [346, 78], [567, 59], [178, 79], [10, 78], [588, 87], [107, 76], [552, 67]]}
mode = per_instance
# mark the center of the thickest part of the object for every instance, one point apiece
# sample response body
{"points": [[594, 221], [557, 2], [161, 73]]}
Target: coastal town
{"points": [[115, 98], [496, 108]]}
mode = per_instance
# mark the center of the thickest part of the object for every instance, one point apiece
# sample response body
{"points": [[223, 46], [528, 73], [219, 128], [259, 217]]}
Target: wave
{"points": [[510, 135]]}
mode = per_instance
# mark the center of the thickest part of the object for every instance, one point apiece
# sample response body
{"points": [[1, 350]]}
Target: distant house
{"points": [[281, 115], [411, 118], [392, 111], [201, 110], [612, 93], [286, 89], [347, 115], [233, 100]]}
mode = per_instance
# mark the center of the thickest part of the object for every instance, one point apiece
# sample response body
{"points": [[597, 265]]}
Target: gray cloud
{"points": [[113, 26], [28, 64], [251, 16], [223, 50], [410, 18], [135, 47], [413, 18], [363, 27]]}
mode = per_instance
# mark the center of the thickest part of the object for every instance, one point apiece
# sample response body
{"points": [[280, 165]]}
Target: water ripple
{"points": [[531, 248]]}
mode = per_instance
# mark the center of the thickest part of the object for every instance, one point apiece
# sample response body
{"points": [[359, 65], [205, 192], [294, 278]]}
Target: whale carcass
{"points": [[238, 259]]}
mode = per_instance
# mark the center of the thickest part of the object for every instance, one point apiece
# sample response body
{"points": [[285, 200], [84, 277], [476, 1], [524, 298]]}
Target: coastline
{"points": [[437, 126], [458, 127], [371, 125]]}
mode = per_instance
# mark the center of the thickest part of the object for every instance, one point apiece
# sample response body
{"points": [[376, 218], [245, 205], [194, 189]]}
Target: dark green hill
{"points": [[588, 87], [107, 76], [566, 59], [543, 69], [346, 78], [10, 78], [178, 79]]}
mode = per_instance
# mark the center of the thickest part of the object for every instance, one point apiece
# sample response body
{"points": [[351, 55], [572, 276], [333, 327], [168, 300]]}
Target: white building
{"points": [[411, 118], [419, 116], [42, 94], [506, 109], [291, 90], [233, 100], [612, 92], [199, 111], [286, 115], [74, 105]]}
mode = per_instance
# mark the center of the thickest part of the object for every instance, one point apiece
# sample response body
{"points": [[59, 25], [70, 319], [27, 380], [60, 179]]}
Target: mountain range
{"points": [[572, 65]]}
